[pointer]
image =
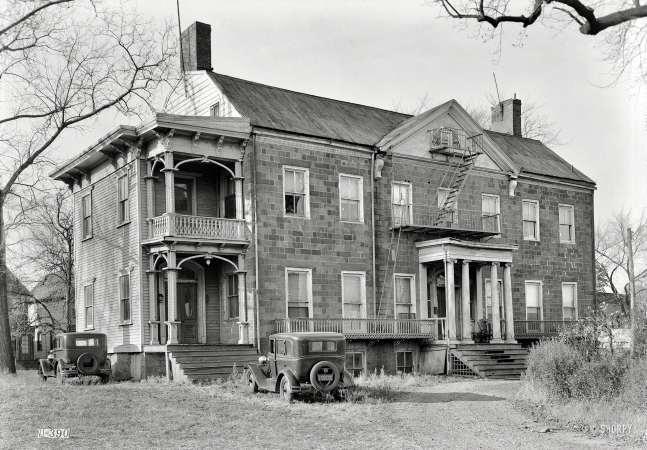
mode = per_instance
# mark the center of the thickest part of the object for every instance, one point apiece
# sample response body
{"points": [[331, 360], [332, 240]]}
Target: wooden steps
{"points": [[202, 362], [500, 361]]}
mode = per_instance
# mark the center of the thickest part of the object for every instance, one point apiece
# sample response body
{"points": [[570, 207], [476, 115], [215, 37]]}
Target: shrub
{"points": [[601, 378], [551, 364], [634, 388]]}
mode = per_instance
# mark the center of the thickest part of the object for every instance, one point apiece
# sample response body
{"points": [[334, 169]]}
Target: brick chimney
{"points": [[506, 117], [196, 47]]}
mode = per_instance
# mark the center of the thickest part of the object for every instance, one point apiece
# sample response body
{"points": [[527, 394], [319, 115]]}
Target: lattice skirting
{"points": [[460, 368]]}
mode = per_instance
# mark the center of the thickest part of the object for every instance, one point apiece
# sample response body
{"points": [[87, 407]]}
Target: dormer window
{"points": [[214, 111]]}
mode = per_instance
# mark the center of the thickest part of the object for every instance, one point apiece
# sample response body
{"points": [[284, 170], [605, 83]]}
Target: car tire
{"points": [[324, 366], [83, 360], [285, 390], [41, 376], [252, 385], [104, 378], [59, 374]]}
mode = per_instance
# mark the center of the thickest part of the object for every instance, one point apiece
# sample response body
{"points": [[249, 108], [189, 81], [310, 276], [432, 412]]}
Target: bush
{"points": [[551, 364], [599, 379], [634, 388]]}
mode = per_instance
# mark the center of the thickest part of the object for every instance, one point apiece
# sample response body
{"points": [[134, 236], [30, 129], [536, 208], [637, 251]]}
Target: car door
{"points": [[271, 358]]}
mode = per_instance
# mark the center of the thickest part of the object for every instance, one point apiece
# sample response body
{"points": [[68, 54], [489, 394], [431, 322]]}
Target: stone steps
{"points": [[493, 361], [200, 362]]}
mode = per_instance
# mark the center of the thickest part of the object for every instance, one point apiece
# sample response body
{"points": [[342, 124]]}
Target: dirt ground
{"points": [[475, 414]]}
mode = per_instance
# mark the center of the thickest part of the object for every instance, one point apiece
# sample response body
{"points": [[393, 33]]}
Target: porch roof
{"points": [[451, 248]]}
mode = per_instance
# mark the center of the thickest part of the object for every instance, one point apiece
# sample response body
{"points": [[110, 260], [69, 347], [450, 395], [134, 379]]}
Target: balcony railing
{"points": [[456, 139], [196, 227], [433, 329], [536, 329], [430, 217]]}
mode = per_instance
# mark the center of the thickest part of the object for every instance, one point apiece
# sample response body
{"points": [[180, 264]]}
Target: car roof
{"points": [[308, 336], [81, 334]]}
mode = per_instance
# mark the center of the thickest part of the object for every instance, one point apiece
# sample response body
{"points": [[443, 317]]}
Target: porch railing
{"points": [[369, 328], [447, 218], [536, 329], [196, 227]]}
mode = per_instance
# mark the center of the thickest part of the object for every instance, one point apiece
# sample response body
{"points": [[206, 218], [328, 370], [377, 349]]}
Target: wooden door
{"points": [[441, 310], [187, 303]]}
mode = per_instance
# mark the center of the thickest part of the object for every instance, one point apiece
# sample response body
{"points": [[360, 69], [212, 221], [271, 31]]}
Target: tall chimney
{"points": [[506, 117], [196, 47]]}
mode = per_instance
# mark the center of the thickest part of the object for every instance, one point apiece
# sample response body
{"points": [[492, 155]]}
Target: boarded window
{"points": [[350, 193], [298, 295], [533, 300]]}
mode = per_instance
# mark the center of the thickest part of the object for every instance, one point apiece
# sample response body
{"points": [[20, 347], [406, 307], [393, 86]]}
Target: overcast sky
{"points": [[383, 53]]}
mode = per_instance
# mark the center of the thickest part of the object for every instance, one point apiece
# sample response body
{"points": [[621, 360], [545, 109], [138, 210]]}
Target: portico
{"points": [[452, 280]]}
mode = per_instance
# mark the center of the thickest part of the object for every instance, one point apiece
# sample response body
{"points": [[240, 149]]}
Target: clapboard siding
{"points": [[212, 306], [202, 95]]}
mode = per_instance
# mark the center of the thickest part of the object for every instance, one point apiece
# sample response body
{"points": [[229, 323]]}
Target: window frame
{"points": [[571, 208], [409, 204], [360, 201], [308, 273], [123, 201], [541, 297], [413, 361], [362, 276], [86, 234], [352, 370], [193, 203], [412, 288], [214, 110], [306, 193], [498, 210], [488, 281], [88, 325], [523, 230], [574, 285], [228, 312], [123, 300]]}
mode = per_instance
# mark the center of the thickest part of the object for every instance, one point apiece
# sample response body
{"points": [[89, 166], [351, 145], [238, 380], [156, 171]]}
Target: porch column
{"points": [[479, 293], [507, 298], [465, 302], [496, 317], [449, 299], [238, 189], [172, 322], [169, 178], [150, 195], [423, 309], [243, 323], [152, 302]]}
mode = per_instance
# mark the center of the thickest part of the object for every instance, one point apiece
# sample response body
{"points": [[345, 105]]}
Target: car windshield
{"points": [[87, 342], [322, 346]]}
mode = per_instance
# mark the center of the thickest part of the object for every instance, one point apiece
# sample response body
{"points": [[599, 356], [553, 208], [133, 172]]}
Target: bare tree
{"points": [[622, 21], [612, 256], [62, 63]]}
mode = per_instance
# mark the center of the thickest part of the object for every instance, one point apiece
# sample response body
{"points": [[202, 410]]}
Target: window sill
{"points": [[531, 239], [567, 242], [123, 224], [88, 328], [87, 238], [359, 222], [294, 216], [125, 324]]}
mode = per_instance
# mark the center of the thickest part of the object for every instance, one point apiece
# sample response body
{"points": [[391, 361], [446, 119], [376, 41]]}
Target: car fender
{"points": [[46, 367], [260, 377], [293, 380]]}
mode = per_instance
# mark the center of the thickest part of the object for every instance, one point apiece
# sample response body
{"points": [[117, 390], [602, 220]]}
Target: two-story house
{"points": [[247, 209]]}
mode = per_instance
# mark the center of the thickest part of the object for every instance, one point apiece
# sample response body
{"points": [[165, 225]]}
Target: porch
{"points": [[196, 227]]}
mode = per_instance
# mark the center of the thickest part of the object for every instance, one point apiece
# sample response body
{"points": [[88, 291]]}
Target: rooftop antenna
{"points": [[495, 85], [179, 26]]}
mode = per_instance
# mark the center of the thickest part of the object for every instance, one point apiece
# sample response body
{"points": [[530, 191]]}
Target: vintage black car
{"points": [[302, 363], [77, 354]]}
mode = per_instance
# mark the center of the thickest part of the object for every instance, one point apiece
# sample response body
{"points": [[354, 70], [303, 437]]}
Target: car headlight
{"points": [[67, 361], [262, 360]]}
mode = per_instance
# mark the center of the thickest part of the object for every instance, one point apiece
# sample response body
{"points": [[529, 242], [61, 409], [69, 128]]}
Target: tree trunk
{"points": [[7, 361]]}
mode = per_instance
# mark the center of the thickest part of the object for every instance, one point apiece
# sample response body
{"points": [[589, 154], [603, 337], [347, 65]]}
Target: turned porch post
{"points": [[479, 293], [153, 321], [150, 196], [243, 323], [507, 298], [496, 316], [450, 301], [172, 322], [169, 178], [465, 302]]}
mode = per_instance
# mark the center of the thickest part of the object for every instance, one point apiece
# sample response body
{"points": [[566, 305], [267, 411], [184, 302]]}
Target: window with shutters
{"points": [[566, 220], [88, 305], [401, 203], [533, 300], [353, 295], [531, 220], [296, 191], [404, 362], [232, 296], [298, 293], [491, 210], [123, 194], [124, 299], [569, 301], [86, 214], [354, 363], [404, 296], [351, 198]]}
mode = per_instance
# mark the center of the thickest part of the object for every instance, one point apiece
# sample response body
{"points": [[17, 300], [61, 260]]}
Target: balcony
{"points": [[432, 329], [196, 227], [538, 329], [447, 221], [452, 140]]}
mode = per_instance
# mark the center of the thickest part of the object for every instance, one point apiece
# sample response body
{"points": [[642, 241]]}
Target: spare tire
{"points": [[87, 364], [324, 369]]}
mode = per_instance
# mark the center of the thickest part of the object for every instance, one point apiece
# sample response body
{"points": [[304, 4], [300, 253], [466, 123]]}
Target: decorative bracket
{"points": [[194, 141], [243, 146], [219, 145], [165, 139]]}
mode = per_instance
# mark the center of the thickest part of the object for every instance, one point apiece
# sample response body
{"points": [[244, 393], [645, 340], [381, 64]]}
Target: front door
{"points": [[187, 303], [441, 310]]}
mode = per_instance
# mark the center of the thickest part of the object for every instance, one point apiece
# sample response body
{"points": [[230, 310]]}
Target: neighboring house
{"points": [[48, 313], [247, 209], [19, 299]]}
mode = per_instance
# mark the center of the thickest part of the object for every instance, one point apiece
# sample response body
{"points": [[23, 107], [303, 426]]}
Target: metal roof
{"points": [[294, 112]]}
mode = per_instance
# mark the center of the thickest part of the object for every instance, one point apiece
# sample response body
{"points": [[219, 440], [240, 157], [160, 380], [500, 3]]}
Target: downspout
{"points": [[256, 282], [373, 233]]}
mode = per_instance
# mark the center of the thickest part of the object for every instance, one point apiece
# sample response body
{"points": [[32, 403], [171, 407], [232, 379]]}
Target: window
{"points": [[566, 228], [569, 301], [533, 300], [351, 198], [214, 111], [404, 297], [88, 305], [322, 346], [488, 299], [124, 299], [230, 198], [353, 295], [531, 220], [491, 211], [299, 293], [52, 340], [123, 210], [87, 342], [354, 363], [232, 296], [86, 211], [404, 363], [184, 196], [39, 340], [443, 193], [296, 191], [401, 200]]}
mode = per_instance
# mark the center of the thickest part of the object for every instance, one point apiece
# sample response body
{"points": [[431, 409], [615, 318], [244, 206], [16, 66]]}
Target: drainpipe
{"points": [[373, 233], [256, 275]]}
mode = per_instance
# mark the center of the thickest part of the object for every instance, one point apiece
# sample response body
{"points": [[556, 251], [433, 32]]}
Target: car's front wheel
{"points": [[285, 390], [252, 385], [59, 374]]}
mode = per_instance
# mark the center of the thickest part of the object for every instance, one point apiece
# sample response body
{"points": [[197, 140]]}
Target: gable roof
{"points": [[294, 112], [534, 157]]}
